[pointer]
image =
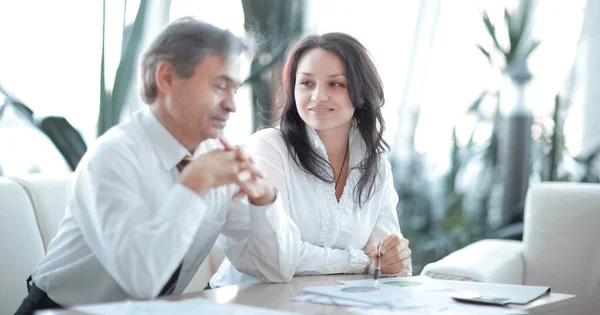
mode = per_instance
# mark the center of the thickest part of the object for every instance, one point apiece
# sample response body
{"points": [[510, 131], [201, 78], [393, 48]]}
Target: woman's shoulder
{"points": [[269, 133], [384, 169], [384, 164], [268, 137]]}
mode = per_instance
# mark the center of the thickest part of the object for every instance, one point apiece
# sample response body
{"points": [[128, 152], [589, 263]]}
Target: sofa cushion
{"points": [[48, 196], [497, 261], [21, 245]]}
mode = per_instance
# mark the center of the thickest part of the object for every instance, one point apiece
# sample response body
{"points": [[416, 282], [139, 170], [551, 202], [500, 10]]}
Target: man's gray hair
{"points": [[183, 44]]}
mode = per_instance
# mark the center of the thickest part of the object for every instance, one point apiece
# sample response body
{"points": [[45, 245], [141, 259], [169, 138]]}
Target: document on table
{"points": [[409, 294], [182, 307], [323, 299], [367, 308], [517, 294]]}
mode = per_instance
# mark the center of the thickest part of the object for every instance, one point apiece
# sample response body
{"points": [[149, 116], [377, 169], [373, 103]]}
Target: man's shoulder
{"points": [[125, 142], [122, 137]]}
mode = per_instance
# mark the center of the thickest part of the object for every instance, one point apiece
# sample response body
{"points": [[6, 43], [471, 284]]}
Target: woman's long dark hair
{"points": [[366, 93]]}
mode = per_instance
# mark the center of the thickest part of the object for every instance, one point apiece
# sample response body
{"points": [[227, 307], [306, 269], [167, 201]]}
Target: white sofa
{"points": [[20, 244], [560, 247], [31, 208]]}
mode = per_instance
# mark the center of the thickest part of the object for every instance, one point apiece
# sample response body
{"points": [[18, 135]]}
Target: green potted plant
{"points": [[511, 58]]}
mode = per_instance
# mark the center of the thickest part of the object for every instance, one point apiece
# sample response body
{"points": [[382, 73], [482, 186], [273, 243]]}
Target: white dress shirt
{"points": [[129, 223], [332, 233]]}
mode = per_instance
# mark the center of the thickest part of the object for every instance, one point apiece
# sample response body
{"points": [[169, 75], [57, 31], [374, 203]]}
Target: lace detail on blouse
{"points": [[333, 213], [358, 259]]}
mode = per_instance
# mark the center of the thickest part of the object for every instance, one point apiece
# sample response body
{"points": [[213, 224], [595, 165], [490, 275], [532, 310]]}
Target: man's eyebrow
{"points": [[228, 80]]}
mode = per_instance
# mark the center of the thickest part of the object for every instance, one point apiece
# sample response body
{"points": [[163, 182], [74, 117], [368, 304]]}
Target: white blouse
{"points": [[332, 233]]}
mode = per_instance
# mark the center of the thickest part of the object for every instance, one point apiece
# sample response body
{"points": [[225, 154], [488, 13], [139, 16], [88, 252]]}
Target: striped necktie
{"points": [[183, 163]]}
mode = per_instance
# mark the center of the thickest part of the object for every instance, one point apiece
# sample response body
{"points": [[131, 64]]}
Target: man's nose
{"points": [[228, 103]]}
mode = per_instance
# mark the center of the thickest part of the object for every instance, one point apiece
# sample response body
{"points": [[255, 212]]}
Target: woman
{"points": [[327, 162]]}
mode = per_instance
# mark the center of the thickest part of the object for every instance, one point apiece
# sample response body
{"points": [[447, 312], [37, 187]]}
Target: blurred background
{"points": [[483, 98]]}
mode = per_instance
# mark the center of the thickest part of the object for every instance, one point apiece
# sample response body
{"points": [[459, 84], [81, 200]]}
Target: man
{"points": [[139, 221]]}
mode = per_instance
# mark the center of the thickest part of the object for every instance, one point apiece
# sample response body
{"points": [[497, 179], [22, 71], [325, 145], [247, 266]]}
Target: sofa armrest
{"points": [[496, 261]]}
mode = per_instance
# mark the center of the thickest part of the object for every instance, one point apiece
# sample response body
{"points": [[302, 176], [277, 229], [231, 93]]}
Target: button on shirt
{"points": [[129, 223], [332, 233]]}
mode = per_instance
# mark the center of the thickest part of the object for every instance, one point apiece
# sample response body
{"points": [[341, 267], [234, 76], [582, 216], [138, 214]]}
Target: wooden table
{"points": [[279, 297]]}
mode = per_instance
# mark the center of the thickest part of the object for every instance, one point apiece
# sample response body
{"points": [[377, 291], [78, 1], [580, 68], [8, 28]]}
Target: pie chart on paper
{"points": [[403, 283]]}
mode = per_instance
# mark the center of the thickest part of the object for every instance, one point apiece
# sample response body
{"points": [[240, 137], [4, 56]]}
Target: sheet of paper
{"points": [[183, 307], [404, 295], [519, 294], [418, 279], [323, 299], [381, 296], [416, 284], [456, 310]]}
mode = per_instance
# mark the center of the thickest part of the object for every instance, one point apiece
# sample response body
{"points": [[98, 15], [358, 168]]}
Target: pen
{"points": [[378, 267]]}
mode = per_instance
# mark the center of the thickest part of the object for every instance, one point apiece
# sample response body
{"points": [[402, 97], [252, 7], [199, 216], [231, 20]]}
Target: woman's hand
{"points": [[395, 255]]}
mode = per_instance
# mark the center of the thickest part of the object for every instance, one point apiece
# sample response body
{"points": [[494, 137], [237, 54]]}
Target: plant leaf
{"points": [[513, 34], [487, 54], [533, 46], [112, 103], [492, 31], [523, 14], [104, 113], [475, 106], [127, 65], [282, 23]]}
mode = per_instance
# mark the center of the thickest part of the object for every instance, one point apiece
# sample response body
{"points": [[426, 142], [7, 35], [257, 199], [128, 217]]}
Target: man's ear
{"points": [[165, 75]]}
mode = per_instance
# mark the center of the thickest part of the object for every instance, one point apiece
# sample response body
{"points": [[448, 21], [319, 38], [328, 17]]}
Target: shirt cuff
{"points": [[358, 259], [406, 272]]}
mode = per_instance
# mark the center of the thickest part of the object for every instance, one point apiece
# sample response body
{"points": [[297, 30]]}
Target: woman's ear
{"points": [[361, 103]]}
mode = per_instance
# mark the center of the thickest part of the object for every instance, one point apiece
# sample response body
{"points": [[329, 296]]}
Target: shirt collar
{"points": [[169, 150], [357, 145]]}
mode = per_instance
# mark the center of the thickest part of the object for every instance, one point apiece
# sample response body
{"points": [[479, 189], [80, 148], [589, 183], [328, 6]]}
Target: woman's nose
{"points": [[319, 95]]}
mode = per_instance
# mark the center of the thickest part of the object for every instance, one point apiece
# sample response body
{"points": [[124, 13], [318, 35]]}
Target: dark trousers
{"points": [[35, 300]]}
